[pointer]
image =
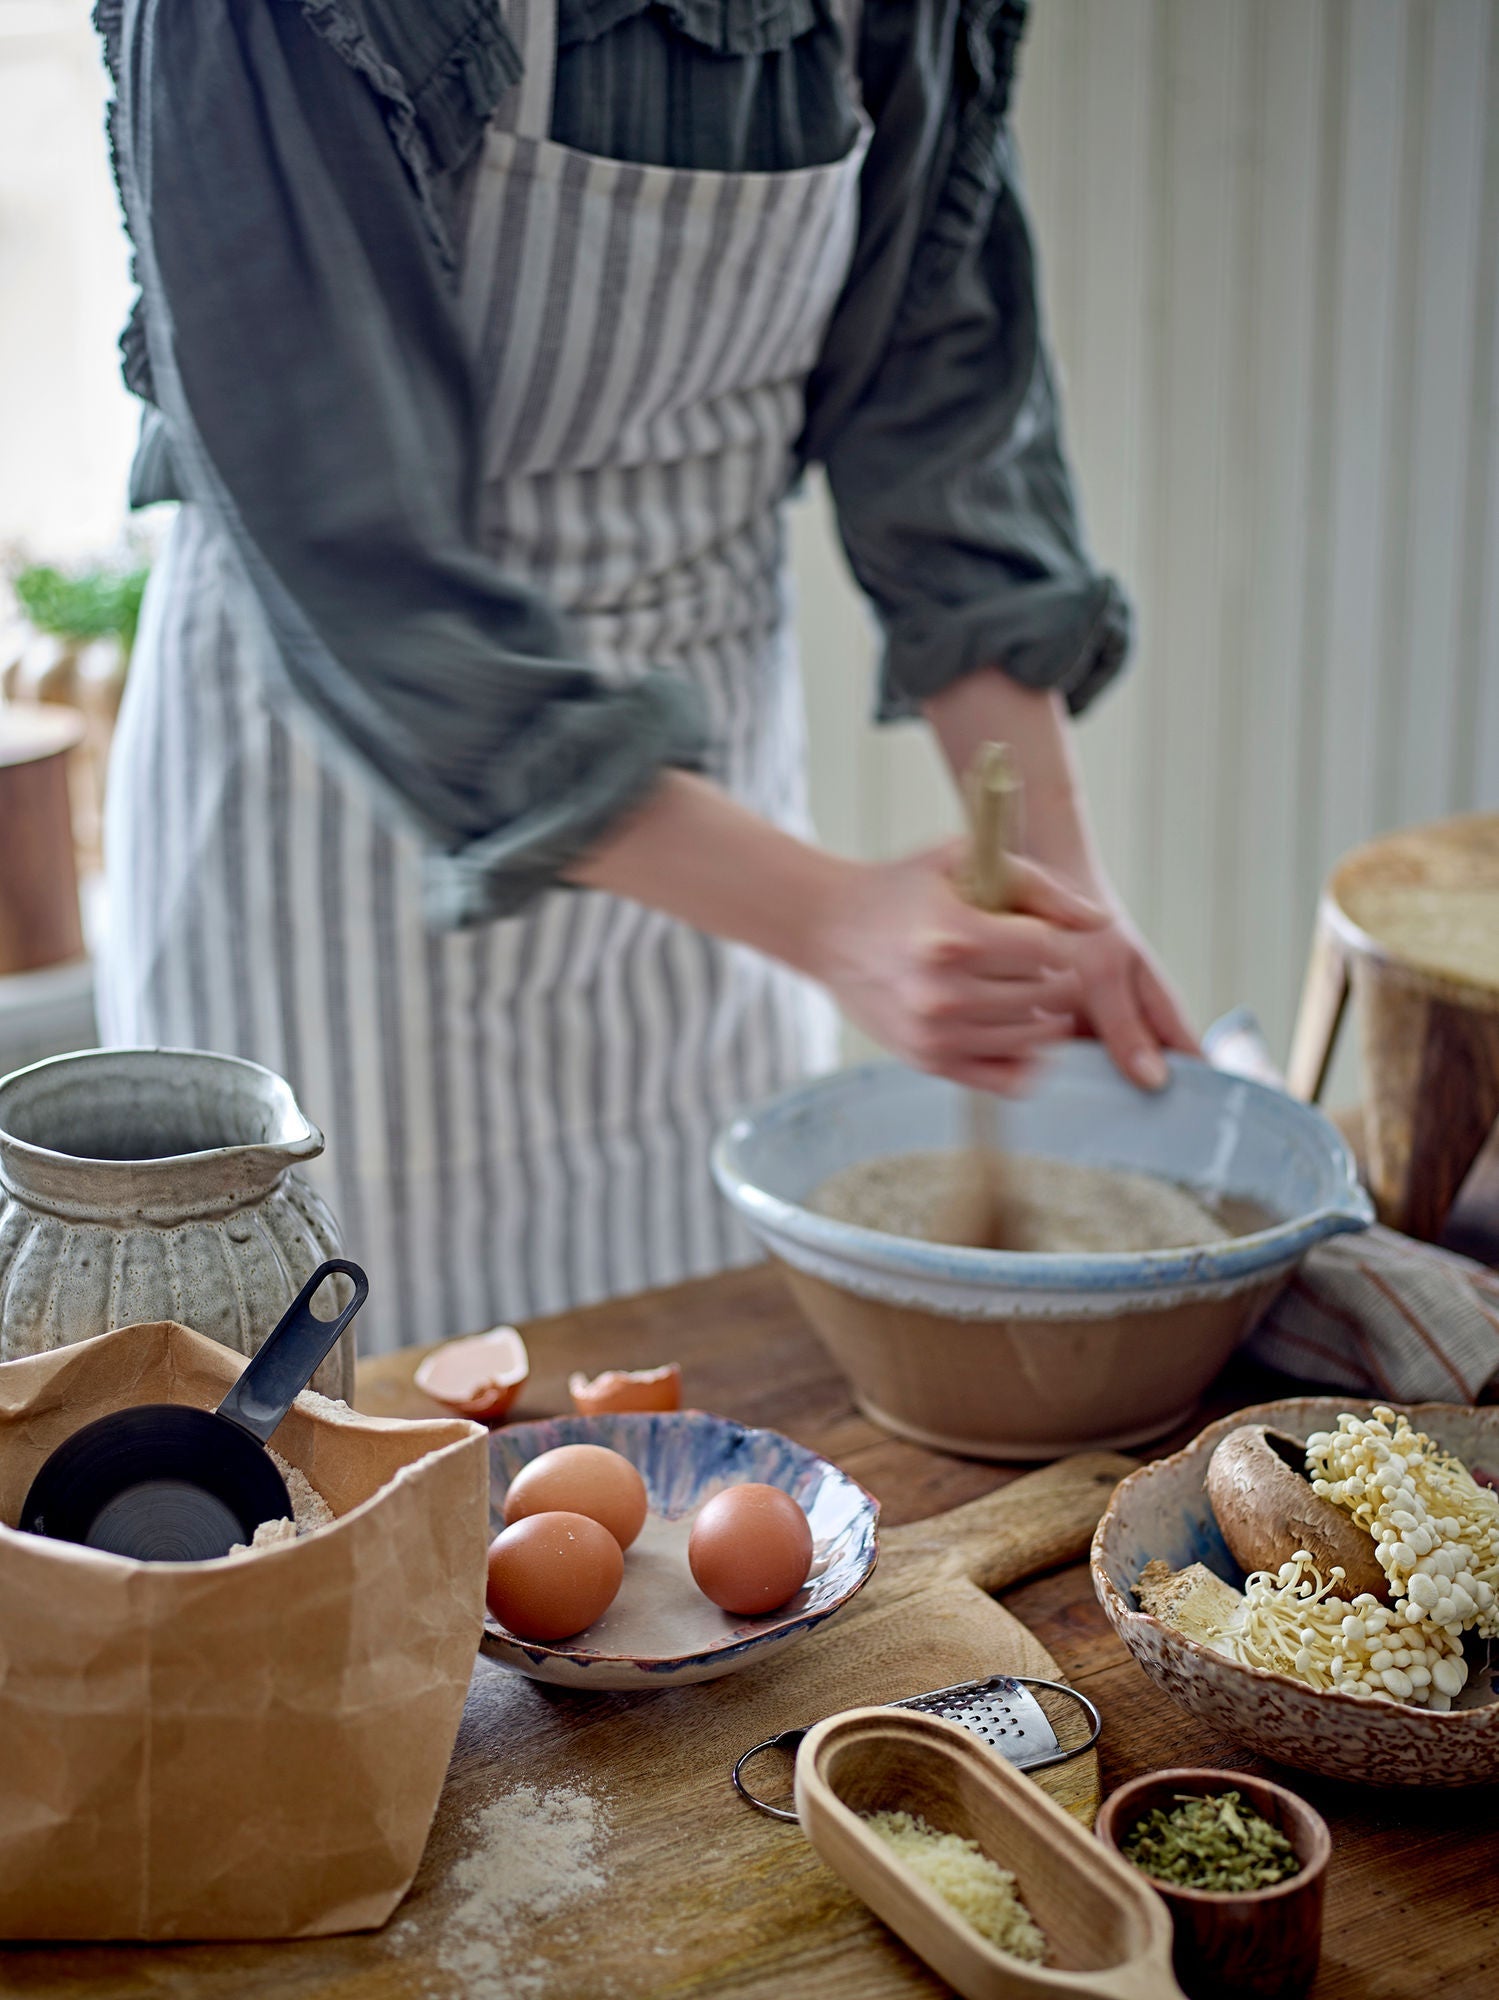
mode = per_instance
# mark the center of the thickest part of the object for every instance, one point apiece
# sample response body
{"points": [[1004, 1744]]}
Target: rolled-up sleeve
{"points": [[315, 397], [954, 496]]}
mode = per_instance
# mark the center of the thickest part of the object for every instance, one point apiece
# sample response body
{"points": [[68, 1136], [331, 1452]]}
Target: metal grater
{"points": [[1001, 1711]]}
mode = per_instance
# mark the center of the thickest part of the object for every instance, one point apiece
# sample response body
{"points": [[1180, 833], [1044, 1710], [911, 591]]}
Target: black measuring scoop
{"points": [[167, 1483]]}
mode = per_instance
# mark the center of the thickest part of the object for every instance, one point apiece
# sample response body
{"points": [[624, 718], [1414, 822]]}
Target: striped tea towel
{"points": [[1388, 1316], [1377, 1312]]}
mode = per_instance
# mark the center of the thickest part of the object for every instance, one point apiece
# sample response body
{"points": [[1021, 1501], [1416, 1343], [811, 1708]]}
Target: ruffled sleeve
{"points": [[313, 397], [943, 440]]}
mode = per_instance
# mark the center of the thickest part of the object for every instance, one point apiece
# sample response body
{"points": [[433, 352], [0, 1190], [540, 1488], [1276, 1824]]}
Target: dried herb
{"points": [[1214, 1841]]}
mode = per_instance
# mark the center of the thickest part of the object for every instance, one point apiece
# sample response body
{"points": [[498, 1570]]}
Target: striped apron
{"points": [[518, 1116]]}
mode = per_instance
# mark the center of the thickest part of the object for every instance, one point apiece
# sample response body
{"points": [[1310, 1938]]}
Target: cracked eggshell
{"points": [[479, 1376]]}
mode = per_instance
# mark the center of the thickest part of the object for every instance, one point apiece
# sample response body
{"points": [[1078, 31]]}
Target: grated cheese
{"points": [[982, 1893]]}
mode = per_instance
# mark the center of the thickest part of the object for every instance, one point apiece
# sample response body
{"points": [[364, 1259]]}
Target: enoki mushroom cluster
{"points": [[1294, 1623], [1435, 1528]]}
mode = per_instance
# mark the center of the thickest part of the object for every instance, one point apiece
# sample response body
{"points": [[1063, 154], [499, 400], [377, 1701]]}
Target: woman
{"points": [[461, 773]]}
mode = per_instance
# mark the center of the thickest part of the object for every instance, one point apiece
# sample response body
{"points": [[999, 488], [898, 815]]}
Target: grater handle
{"points": [[789, 1739], [1089, 1709]]}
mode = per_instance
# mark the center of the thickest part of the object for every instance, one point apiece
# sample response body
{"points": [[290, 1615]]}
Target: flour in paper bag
{"points": [[309, 1511]]}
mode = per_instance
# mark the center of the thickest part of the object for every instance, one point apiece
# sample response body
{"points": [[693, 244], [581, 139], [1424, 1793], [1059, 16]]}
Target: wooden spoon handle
{"points": [[991, 796], [991, 793], [1036, 1523]]}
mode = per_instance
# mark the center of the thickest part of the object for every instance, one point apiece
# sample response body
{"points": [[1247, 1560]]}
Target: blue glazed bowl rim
{"points": [[1000, 1270], [547, 1432]]}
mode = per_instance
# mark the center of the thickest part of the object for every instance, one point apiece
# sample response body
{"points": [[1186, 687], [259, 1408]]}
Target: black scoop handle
{"points": [[290, 1354]]}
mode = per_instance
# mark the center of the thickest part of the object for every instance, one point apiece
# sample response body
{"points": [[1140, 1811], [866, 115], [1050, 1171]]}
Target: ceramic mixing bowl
{"points": [[1006, 1355], [1162, 1510], [661, 1631]]}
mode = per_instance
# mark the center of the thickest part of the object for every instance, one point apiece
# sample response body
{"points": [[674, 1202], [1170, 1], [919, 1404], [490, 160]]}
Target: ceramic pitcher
{"points": [[156, 1184]]}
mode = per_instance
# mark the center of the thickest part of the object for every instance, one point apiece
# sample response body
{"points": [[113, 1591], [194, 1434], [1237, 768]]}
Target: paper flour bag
{"points": [[247, 1748]]}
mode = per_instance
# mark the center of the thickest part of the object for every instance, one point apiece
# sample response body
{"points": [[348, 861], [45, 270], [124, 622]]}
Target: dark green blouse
{"points": [[293, 176]]}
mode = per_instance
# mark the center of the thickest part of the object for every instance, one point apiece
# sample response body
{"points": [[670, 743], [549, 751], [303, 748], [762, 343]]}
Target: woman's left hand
{"points": [[1121, 996], [1118, 992]]}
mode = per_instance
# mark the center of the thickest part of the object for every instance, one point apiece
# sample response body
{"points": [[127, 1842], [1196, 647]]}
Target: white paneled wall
{"points": [[1270, 237]]}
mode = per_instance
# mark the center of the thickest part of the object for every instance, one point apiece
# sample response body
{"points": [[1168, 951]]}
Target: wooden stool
{"points": [[39, 919], [1410, 924]]}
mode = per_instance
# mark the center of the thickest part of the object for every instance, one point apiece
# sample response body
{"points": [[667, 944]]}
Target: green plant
{"points": [[96, 603]]}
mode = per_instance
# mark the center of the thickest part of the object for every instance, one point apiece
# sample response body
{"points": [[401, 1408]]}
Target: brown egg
{"points": [[581, 1479], [750, 1549], [552, 1575]]}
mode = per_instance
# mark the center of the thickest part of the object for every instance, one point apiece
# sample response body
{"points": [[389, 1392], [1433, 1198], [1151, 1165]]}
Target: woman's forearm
{"points": [[990, 707], [968, 994], [699, 855]]}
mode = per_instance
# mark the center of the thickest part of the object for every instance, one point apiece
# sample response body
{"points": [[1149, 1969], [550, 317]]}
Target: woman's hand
{"points": [[1122, 997], [1119, 993], [951, 989]]}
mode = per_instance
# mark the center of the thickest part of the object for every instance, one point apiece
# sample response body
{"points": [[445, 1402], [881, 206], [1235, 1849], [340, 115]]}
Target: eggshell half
{"points": [[479, 1376], [627, 1389]]}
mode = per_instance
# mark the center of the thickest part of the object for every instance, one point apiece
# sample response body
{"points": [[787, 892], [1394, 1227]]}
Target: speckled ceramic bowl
{"points": [[1027, 1356], [1162, 1510], [660, 1630]]}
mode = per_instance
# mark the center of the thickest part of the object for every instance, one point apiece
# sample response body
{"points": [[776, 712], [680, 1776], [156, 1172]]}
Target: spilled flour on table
{"points": [[532, 1855]]}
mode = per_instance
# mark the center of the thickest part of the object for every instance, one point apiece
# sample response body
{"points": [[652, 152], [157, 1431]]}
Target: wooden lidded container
{"points": [[1409, 926]]}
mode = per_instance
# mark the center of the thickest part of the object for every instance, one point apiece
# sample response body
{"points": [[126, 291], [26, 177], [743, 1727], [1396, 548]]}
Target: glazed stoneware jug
{"points": [[156, 1184]]}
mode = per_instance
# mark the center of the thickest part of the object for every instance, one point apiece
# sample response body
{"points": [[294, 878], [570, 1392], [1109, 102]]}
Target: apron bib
{"points": [[518, 1116]]}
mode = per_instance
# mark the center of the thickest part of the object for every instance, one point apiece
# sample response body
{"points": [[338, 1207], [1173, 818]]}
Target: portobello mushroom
{"points": [[1266, 1510]]}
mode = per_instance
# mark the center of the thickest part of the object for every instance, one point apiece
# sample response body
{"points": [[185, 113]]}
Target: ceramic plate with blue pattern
{"points": [[660, 1630]]}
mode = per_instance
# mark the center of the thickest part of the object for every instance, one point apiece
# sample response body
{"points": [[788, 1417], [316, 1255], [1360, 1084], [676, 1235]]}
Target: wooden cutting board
{"points": [[694, 1891]]}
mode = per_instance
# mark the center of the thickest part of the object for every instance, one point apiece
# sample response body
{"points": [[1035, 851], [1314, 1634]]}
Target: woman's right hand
{"points": [[948, 988]]}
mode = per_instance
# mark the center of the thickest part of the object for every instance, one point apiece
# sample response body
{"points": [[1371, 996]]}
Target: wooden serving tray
{"points": [[700, 1894]]}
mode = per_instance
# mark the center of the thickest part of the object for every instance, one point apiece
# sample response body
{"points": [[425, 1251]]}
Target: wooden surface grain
{"points": [[1411, 1906]]}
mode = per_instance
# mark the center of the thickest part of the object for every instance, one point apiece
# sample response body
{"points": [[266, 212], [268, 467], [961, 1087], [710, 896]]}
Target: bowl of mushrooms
{"points": [[1319, 1578]]}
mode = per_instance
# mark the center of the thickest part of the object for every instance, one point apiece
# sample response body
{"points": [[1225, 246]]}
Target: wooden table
{"points": [[1412, 1907]]}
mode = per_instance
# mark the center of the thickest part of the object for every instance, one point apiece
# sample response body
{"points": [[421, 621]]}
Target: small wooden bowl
{"points": [[1107, 1933], [1263, 1945]]}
